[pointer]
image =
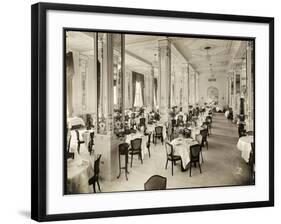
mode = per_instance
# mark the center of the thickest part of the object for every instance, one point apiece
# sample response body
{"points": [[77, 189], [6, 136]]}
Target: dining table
{"points": [[151, 128], [195, 131], [181, 148], [244, 145], [79, 171], [132, 136], [84, 135]]}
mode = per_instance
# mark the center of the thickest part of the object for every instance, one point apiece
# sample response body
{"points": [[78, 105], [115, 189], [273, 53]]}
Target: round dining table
{"points": [[182, 148], [244, 145], [79, 171]]}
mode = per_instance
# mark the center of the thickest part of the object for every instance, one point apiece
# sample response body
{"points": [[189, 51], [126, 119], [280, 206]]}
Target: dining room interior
{"points": [[147, 111]]}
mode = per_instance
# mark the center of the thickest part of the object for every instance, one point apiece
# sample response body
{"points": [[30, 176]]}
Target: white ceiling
{"points": [[142, 51]]}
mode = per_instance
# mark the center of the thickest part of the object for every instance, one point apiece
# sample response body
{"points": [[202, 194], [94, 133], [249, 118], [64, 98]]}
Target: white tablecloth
{"points": [[73, 121], [181, 148], [151, 128], [144, 138], [79, 171], [244, 145], [195, 131], [84, 135]]}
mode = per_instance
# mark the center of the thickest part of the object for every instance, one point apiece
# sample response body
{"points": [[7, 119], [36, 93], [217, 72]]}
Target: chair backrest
{"points": [[136, 143], [97, 165], [68, 140], [169, 149], [77, 135], [159, 130], [209, 119], [241, 130], [173, 136], [174, 123], [123, 148], [142, 121], [204, 134], [155, 182], [195, 152]]}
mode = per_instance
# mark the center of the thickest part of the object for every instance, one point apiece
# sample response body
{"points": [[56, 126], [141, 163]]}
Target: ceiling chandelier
{"points": [[208, 56]]}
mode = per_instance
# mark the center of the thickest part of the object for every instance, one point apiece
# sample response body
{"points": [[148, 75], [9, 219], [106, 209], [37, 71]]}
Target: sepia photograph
{"points": [[153, 111]]}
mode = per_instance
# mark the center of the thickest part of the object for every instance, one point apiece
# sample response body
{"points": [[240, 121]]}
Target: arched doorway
{"points": [[212, 95]]}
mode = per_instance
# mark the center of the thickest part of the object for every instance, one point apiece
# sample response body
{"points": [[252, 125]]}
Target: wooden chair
{"points": [[194, 157], [123, 151], [95, 179], [170, 156], [204, 141], [135, 149], [180, 121], [158, 134], [79, 142], [241, 130], [155, 182]]}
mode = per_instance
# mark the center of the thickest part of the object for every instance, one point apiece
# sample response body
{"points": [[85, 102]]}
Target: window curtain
{"points": [[69, 75], [137, 77], [155, 91]]}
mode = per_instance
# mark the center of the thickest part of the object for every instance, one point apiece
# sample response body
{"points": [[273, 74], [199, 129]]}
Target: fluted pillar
{"points": [[165, 77]]}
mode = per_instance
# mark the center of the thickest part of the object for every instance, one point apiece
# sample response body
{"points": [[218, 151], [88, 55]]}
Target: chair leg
{"points": [[207, 145], [202, 156], [94, 186], [172, 167], [148, 151], [166, 164], [98, 184], [119, 168], [140, 157], [199, 167], [78, 148], [131, 160]]}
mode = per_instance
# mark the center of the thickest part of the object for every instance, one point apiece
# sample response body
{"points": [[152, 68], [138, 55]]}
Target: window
{"points": [[138, 95]]}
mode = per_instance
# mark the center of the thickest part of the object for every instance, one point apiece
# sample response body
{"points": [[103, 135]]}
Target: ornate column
{"points": [[106, 142], [197, 87], [165, 77], [185, 88], [250, 85], [152, 91], [234, 103]]}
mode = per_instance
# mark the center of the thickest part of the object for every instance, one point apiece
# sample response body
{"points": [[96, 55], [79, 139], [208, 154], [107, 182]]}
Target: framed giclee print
{"points": [[139, 111]]}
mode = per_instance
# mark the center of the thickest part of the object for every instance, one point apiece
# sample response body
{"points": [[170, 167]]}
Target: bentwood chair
{"points": [[155, 182], [123, 151], [69, 154], [194, 157], [204, 141], [79, 141], [135, 149], [142, 121], [95, 179], [241, 130], [158, 134], [170, 156], [180, 121]]}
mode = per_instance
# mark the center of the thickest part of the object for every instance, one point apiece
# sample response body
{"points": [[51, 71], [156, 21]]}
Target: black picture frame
{"points": [[39, 110]]}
